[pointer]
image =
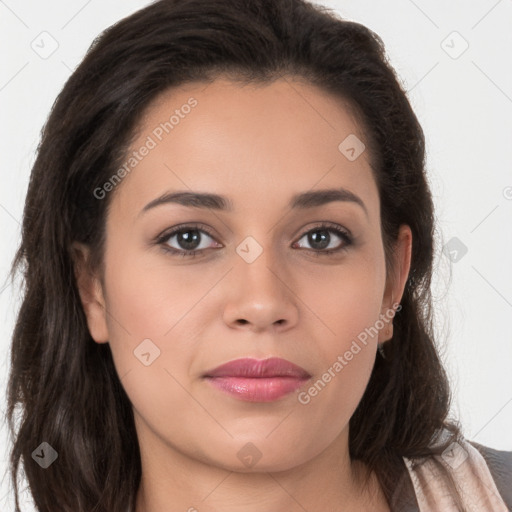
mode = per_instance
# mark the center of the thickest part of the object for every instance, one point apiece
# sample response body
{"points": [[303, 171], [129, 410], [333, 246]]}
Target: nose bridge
{"points": [[260, 265], [261, 294]]}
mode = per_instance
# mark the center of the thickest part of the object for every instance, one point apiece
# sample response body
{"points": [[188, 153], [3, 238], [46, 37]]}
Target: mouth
{"points": [[255, 380]]}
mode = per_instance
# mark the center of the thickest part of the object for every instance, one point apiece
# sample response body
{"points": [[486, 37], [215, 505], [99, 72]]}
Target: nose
{"points": [[261, 296]]}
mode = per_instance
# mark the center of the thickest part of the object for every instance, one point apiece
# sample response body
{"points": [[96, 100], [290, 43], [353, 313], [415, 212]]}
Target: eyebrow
{"points": [[304, 200]]}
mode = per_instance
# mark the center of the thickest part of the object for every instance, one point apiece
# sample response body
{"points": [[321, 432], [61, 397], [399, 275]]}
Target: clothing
{"points": [[482, 475]]}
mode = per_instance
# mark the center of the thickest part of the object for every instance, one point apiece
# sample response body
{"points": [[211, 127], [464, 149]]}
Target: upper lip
{"points": [[253, 368]]}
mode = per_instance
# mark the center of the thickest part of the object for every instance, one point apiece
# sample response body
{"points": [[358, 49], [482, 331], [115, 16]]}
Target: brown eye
{"points": [[326, 239], [186, 240]]}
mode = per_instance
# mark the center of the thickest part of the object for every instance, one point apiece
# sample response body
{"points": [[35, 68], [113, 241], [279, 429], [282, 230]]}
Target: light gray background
{"points": [[464, 102]]}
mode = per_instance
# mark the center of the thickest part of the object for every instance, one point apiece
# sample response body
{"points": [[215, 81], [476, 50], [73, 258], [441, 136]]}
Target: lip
{"points": [[256, 380]]}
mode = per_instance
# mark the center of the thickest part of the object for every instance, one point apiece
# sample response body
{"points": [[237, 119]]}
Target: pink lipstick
{"points": [[256, 380]]}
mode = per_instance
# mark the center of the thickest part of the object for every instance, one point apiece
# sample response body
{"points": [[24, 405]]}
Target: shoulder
{"points": [[500, 466], [430, 476]]}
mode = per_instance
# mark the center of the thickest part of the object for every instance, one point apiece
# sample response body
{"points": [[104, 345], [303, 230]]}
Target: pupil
{"points": [[324, 242], [186, 241]]}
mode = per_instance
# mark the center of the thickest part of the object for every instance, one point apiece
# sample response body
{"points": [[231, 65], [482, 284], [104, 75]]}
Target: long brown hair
{"points": [[63, 387]]}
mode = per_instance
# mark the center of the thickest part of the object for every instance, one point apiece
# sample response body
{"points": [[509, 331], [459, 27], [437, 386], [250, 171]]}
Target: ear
{"points": [[395, 282], [91, 293]]}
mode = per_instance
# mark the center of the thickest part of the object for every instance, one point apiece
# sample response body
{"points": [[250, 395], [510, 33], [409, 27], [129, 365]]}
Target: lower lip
{"points": [[258, 389]]}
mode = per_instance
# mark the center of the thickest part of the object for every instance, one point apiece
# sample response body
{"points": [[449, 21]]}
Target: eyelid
{"points": [[162, 238], [328, 225], [165, 235], [340, 231]]}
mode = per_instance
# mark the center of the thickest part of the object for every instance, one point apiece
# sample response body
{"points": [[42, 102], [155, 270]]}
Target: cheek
{"points": [[151, 347], [146, 298], [147, 312], [347, 298], [350, 309], [348, 302]]}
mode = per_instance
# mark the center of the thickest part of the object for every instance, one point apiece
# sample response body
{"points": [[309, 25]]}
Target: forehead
{"points": [[250, 142]]}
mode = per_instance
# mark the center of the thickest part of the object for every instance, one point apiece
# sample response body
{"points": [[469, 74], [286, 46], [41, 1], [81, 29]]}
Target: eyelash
{"points": [[324, 226]]}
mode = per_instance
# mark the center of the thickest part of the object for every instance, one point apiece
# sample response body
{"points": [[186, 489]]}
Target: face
{"points": [[274, 272]]}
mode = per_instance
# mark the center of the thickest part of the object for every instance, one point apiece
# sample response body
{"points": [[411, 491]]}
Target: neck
{"points": [[329, 481]]}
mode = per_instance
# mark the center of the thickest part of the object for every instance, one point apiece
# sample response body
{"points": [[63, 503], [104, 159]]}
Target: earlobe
{"points": [[91, 293]]}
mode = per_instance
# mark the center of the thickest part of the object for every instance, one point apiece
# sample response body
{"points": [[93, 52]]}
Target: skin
{"points": [[258, 146]]}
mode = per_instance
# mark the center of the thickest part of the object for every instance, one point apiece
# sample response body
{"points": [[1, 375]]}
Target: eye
{"points": [[187, 240], [190, 240], [322, 242]]}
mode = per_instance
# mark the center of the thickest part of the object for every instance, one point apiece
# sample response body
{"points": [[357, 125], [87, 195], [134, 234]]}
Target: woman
{"points": [[227, 250]]}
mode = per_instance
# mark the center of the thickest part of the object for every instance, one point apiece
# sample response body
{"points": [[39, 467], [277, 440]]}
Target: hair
{"points": [[63, 388]]}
